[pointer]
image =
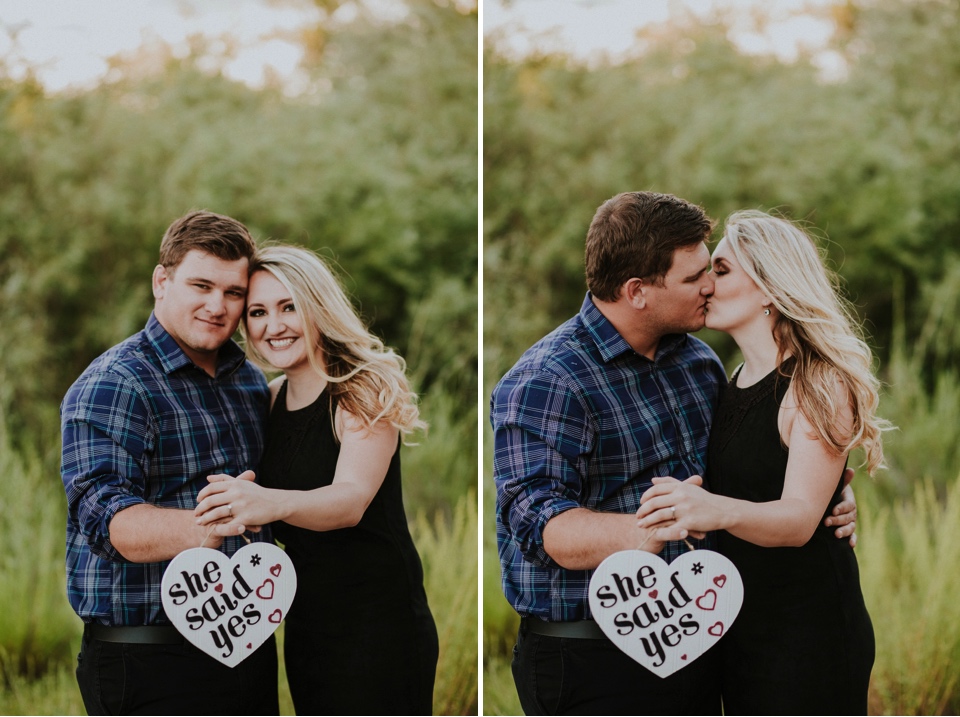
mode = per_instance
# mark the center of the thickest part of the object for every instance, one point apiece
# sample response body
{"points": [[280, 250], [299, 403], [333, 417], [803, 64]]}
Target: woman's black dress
{"points": [[803, 642], [359, 637]]}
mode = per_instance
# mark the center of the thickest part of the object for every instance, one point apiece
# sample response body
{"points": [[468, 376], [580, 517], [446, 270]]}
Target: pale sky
{"points": [[586, 28], [68, 41]]}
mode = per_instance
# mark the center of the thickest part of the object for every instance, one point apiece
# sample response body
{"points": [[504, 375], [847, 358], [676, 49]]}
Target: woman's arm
{"points": [[811, 478], [362, 465]]}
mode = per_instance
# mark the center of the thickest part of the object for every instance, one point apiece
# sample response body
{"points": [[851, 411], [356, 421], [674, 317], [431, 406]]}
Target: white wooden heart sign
{"points": [[228, 606], [665, 616]]}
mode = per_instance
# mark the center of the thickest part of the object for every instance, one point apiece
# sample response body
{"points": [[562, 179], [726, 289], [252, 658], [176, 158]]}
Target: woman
{"points": [[359, 637], [803, 398]]}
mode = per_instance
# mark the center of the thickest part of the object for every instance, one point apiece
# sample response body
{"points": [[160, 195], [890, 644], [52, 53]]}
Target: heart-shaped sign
{"points": [[665, 616], [228, 606]]}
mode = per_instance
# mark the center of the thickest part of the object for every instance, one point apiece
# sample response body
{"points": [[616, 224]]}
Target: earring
{"points": [[766, 312]]}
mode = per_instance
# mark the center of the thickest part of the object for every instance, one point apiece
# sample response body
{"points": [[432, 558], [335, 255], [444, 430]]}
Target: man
{"points": [[612, 398], [143, 427]]}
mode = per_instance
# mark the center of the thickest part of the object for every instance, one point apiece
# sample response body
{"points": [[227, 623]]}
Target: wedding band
{"points": [[673, 512], [229, 509]]}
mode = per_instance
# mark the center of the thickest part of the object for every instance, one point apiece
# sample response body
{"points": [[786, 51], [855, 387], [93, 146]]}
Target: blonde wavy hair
{"points": [[817, 327], [367, 379]]}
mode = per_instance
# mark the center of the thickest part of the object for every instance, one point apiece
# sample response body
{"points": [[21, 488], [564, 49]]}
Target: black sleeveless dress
{"points": [[359, 637], [803, 642]]}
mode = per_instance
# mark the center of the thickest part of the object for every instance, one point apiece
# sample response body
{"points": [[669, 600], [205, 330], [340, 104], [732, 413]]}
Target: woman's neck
{"points": [[760, 354], [304, 385]]}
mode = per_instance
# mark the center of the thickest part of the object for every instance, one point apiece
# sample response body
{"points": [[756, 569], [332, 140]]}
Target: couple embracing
{"points": [[619, 430], [162, 437]]}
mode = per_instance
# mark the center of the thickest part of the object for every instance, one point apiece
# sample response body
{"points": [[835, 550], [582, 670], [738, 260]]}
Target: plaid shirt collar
{"points": [[230, 357], [609, 341]]}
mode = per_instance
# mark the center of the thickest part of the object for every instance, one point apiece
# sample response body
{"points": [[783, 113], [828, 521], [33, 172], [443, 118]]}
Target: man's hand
{"points": [[844, 513]]}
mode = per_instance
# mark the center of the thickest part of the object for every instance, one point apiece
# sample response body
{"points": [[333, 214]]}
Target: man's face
{"points": [[200, 302], [679, 305]]}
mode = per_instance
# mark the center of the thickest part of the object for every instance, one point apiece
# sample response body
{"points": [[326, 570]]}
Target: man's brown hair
{"points": [[215, 234], [635, 234]]}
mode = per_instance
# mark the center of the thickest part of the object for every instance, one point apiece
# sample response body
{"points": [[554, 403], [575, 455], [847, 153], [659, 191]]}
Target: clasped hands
{"points": [[680, 508], [676, 509], [234, 505]]}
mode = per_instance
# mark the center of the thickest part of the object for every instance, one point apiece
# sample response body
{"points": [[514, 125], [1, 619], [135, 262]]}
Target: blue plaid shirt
{"points": [[143, 424], [582, 420]]}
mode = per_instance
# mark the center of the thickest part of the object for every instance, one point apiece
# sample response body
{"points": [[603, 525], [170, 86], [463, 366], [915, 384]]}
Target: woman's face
{"points": [[736, 299], [273, 323]]}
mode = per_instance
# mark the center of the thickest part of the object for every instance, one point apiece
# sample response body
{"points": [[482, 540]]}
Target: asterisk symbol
{"points": [[697, 568], [255, 560]]}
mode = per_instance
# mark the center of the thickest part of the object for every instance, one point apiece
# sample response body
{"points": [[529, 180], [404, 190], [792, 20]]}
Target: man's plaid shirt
{"points": [[143, 424], [582, 420]]}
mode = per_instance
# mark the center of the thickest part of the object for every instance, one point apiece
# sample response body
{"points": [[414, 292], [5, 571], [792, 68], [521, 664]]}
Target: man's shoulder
{"points": [[558, 354], [116, 378], [126, 360]]}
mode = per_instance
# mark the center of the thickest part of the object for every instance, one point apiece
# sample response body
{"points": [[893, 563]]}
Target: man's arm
{"points": [[543, 437], [107, 438], [581, 539], [146, 533]]}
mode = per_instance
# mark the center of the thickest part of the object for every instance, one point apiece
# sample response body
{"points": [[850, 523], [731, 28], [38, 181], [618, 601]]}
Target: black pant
{"points": [[559, 675], [121, 678]]}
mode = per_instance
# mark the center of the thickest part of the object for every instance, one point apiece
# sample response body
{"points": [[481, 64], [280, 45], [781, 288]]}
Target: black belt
{"points": [[581, 629], [140, 635]]}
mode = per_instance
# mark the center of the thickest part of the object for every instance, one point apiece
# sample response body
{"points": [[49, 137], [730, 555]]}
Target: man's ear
{"points": [[635, 292], [160, 279]]}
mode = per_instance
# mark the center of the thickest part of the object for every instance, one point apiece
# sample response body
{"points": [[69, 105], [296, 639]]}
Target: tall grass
{"points": [[499, 691], [909, 556], [40, 634], [37, 627], [55, 693], [448, 550]]}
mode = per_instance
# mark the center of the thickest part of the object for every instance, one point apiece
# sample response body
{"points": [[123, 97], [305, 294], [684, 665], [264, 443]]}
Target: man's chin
{"points": [[208, 344]]}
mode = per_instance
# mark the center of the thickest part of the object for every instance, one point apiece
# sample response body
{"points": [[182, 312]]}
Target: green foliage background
{"points": [[373, 164], [870, 161]]}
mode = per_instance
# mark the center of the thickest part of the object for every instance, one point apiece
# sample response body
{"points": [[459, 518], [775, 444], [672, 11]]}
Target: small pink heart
{"points": [[707, 601], [716, 629], [683, 657], [653, 594], [249, 645], [275, 570], [275, 617], [720, 581], [219, 588], [265, 591]]}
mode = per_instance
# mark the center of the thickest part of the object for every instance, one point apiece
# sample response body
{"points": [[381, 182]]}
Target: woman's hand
{"points": [[685, 505], [238, 501]]}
